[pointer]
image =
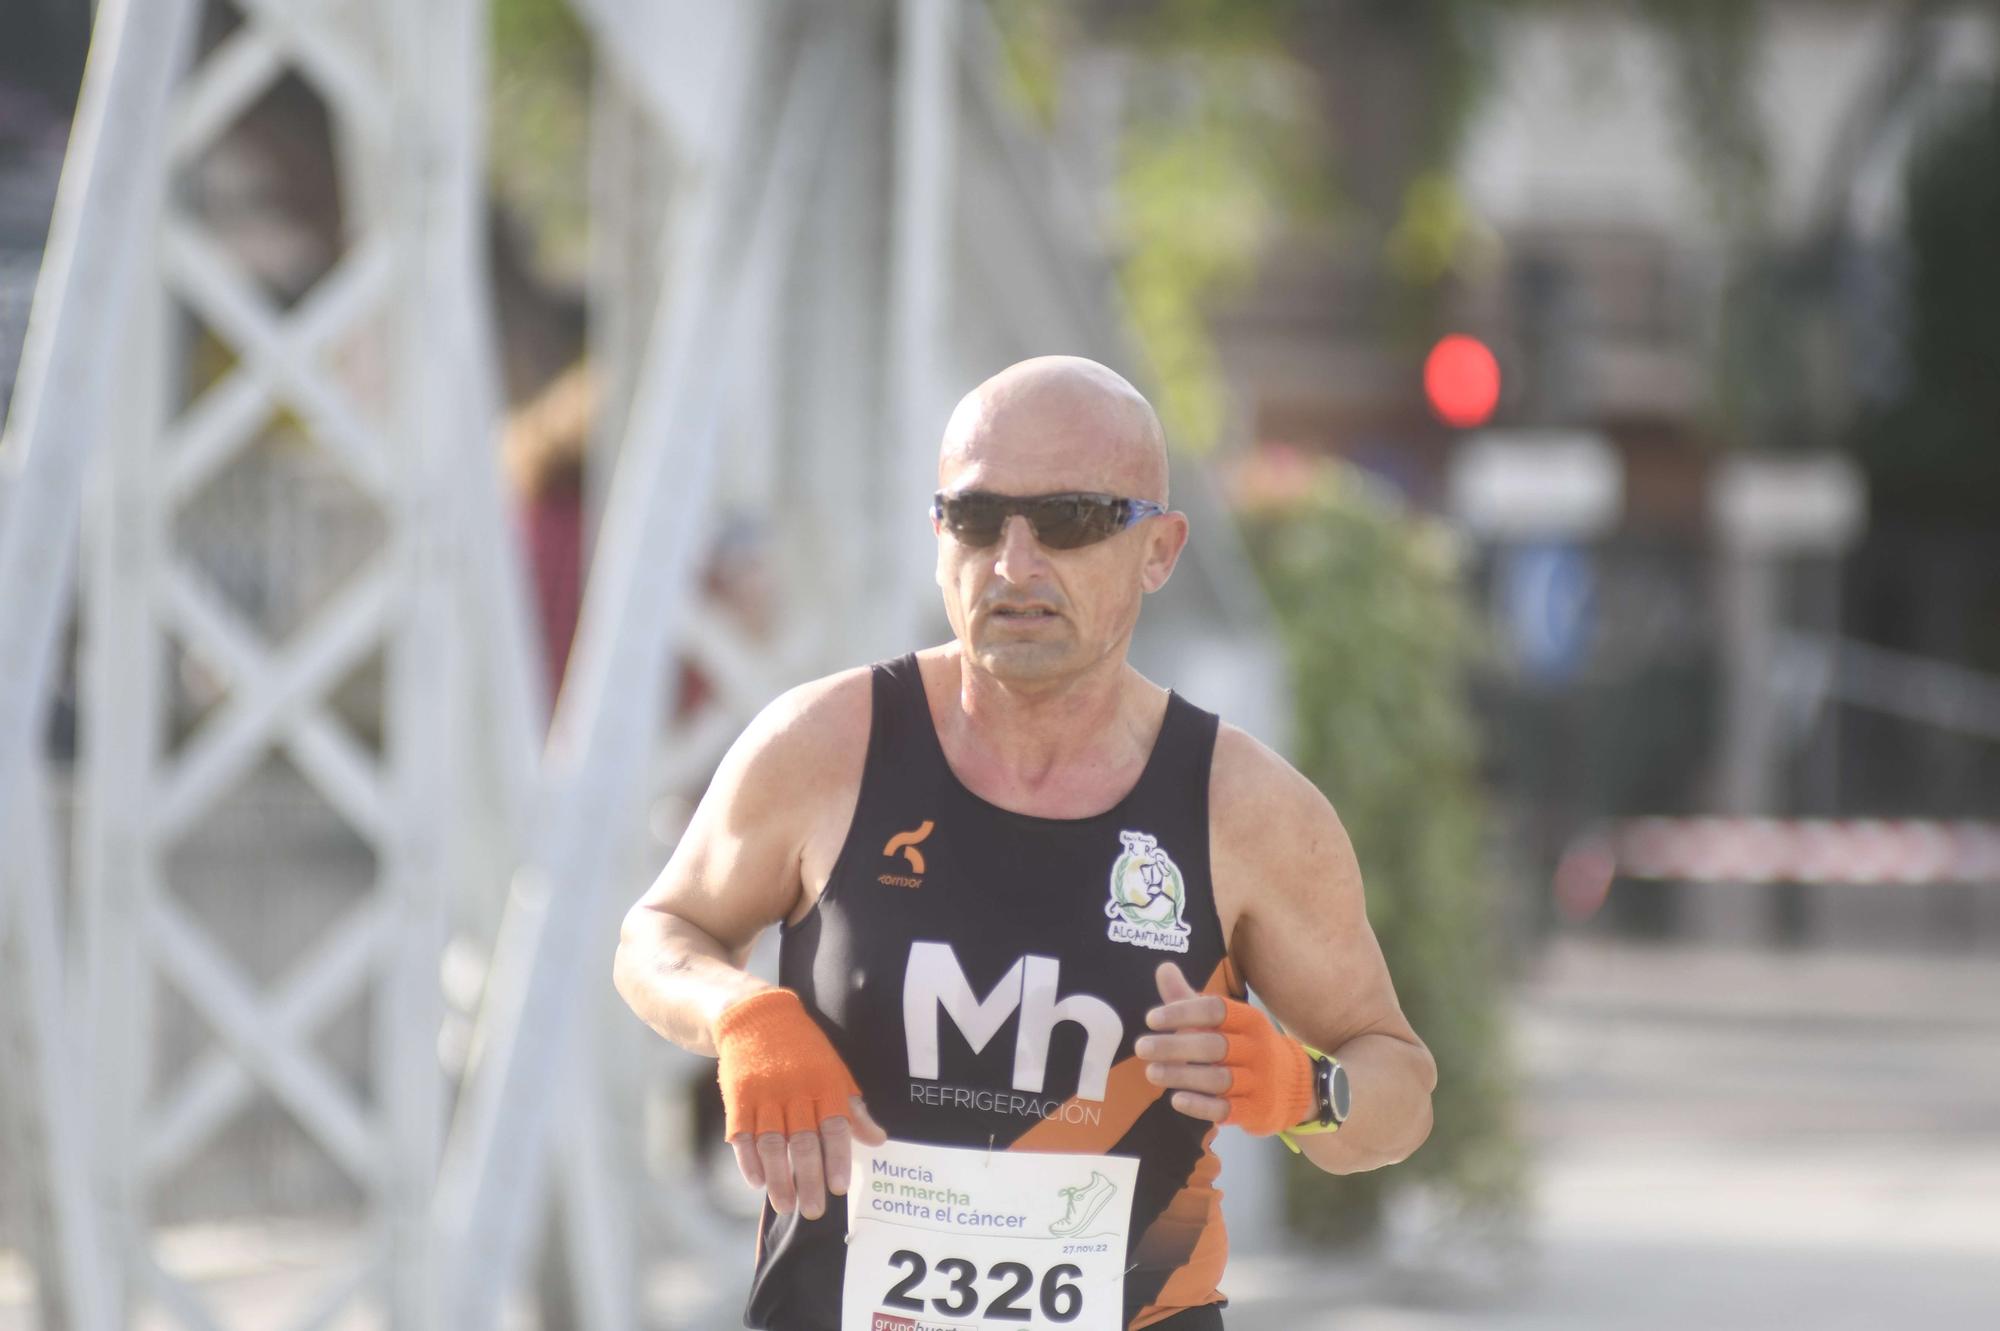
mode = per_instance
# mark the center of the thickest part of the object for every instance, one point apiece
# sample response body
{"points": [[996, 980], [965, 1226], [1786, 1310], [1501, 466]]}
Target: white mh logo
{"points": [[934, 979]]}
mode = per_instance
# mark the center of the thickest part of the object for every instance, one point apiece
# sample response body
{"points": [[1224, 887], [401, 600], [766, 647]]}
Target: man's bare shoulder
{"points": [[1250, 784], [804, 735], [793, 773], [1265, 817]]}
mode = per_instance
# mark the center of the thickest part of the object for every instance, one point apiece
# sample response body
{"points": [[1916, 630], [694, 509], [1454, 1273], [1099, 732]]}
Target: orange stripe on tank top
{"points": [[1195, 1208], [1127, 1094]]}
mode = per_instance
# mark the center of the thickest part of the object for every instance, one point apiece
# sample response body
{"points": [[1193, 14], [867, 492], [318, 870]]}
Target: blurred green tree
{"points": [[1224, 142], [538, 111], [1379, 639]]}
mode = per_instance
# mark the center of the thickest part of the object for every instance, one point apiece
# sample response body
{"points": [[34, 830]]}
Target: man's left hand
{"points": [[1188, 1059], [1224, 1061]]}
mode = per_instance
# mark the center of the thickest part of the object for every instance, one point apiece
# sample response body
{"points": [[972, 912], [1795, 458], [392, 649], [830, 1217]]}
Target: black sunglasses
{"points": [[1060, 521]]}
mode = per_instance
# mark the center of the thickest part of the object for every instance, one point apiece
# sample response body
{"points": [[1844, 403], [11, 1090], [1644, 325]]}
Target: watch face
{"points": [[1340, 1093]]}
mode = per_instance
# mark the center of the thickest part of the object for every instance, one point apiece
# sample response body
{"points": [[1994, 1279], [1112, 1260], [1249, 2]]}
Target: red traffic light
{"points": [[1462, 381]]}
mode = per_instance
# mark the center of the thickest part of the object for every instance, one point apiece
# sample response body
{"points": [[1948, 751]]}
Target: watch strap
{"points": [[1324, 1121]]}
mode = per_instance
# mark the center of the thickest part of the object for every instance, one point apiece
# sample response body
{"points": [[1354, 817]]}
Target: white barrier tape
{"points": [[1863, 851]]}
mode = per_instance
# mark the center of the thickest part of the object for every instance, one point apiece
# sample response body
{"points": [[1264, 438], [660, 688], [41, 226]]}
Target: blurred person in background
{"points": [[545, 451]]}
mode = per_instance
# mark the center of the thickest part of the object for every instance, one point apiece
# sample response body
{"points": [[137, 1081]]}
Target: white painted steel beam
{"points": [[836, 414], [647, 561], [219, 424], [407, 432], [216, 288], [445, 408], [1031, 244], [64, 1242], [110, 186], [680, 57], [321, 52], [920, 256], [225, 748], [228, 1001], [320, 745], [198, 1105]]}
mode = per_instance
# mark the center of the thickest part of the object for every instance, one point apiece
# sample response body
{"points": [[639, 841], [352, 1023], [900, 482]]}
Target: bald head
{"points": [[1056, 423]]}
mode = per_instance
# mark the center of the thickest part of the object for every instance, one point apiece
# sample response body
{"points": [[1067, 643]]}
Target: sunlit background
{"points": [[438, 426]]}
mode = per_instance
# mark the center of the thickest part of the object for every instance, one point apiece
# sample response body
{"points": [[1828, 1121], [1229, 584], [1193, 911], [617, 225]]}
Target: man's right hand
{"points": [[793, 1109], [801, 1169]]}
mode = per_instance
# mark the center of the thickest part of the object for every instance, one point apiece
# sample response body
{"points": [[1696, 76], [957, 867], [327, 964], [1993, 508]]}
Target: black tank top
{"points": [[984, 973]]}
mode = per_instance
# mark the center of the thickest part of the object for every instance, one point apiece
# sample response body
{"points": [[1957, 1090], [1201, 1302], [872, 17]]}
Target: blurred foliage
{"points": [[1429, 239], [1380, 639], [1037, 36], [1223, 145], [539, 127], [1226, 142], [1213, 155], [1199, 188], [1436, 234], [1935, 452]]}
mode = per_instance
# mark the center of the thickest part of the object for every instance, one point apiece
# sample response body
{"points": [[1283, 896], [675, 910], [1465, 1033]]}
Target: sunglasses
{"points": [[1060, 521]]}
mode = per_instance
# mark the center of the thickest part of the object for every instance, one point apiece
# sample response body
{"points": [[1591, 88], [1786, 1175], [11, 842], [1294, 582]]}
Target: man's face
{"points": [[1026, 613]]}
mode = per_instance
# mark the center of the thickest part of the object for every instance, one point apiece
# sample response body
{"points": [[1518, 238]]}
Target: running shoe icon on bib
{"points": [[1084, 1202]]}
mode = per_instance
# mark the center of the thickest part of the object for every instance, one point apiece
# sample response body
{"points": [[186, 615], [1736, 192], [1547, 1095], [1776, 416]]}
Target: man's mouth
{"points": [[1028, 613]]}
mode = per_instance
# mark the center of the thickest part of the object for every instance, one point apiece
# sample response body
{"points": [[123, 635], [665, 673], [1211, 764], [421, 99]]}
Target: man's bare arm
{"points": [[678, 978], [1302, 941], [785, 788], [783, 795]]}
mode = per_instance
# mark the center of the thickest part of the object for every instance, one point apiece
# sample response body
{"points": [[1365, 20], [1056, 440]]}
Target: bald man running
{"points": [[1023, 891]]}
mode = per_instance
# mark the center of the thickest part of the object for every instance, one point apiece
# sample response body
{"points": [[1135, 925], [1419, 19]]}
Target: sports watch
{"points": [[1331, 1096]]}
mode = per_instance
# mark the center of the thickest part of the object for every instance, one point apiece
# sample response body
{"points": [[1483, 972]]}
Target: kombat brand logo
{"points": [[907, 842], [1147, 897]]}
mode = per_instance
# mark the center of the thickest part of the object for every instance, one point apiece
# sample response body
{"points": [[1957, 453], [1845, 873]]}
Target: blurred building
{"points": [[1676, 279]]}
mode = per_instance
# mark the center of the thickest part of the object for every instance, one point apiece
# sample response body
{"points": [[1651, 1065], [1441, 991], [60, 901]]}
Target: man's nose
{"points": [[1021, 556]]}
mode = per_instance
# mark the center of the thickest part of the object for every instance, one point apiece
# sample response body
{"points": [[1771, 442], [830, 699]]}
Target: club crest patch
{"points": [[1148, 897]]}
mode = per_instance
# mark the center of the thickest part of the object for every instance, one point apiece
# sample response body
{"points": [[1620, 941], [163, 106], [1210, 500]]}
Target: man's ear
{"points": [[1163, 550]]}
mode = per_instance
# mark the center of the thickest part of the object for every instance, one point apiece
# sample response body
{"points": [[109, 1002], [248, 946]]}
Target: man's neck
{"points": [[1079, 726]]}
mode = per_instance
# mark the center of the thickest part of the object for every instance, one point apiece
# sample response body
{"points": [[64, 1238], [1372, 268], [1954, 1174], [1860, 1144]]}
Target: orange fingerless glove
{"points": [[779, 1072], [1270, 1073]]}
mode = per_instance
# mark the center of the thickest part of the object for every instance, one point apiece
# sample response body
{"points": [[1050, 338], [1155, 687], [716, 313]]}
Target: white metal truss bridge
{"points": [[815, 224]]}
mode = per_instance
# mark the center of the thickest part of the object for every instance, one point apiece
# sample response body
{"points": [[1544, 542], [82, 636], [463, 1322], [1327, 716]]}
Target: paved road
{"points": [[1728, 1140]]}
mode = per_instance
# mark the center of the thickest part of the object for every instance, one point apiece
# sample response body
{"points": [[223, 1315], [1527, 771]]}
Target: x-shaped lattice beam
{"points": [[275, 36]]}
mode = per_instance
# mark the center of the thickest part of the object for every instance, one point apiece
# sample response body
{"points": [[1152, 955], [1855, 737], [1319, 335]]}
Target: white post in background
{"points": [[458, 558], [1764, 510], [629, 163], [920, 257], [110, 189], [42, 1113], [641, 586], [400, 104]]}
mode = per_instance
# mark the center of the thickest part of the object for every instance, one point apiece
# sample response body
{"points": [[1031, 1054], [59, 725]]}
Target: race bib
{"points": [[941, 1238]]}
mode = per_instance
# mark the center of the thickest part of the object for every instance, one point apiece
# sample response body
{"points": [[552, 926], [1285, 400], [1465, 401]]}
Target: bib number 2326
{"points": [[1010, 1289], [940, 1237]]}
